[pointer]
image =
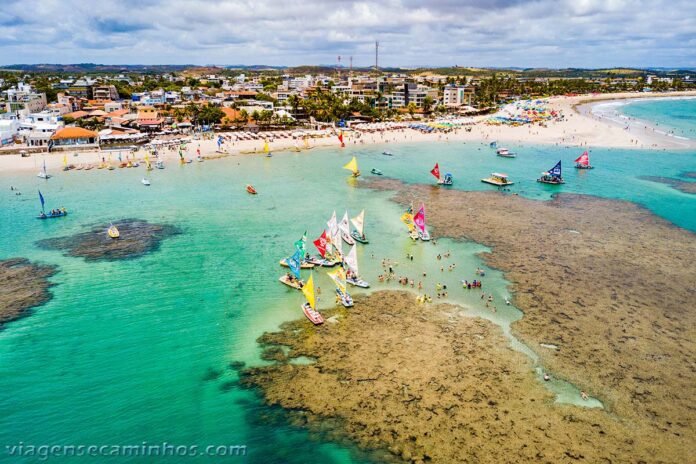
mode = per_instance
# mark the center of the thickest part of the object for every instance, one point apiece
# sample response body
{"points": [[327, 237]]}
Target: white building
{"points": [[456, 96]]}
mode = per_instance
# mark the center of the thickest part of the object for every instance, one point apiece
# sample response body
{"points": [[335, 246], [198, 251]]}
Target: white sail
{"points": [[333, 225], [336, 242], [345, 225], [351, 259], [358, 221]]}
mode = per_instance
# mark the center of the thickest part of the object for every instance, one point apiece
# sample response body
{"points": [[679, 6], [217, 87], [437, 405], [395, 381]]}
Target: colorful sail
{"points": [[359, 222], [419, 218], [556, 170], [436, 171], [322, 243], [42, 200], [65, 160], [584, 159], [266, 148], [351, 260], [308, 291], [339, 278], [407, 218], [344, 225], [294, 262], [352, 165]]}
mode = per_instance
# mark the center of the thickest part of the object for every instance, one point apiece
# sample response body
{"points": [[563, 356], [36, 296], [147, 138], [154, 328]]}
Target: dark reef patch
{"points": [[137, 238], [23, 285], [686, 187]]}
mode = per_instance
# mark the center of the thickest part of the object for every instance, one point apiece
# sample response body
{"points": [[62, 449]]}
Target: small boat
{"points": [[309, 308], [113, 232], [145, 182], [493, 144], [505, 153], [110, 168], [387, 153], [291, 281], [583, 162], [251, 189], [447, 180], [359, 233], [344, 227], [352, 275], [323, 262], [376, 172], [352, 166], [43, 174], [498, 179], [159, 164], [266, 149], [552, 176], [419, 221], [339, 278], [304, 265], [56, 213]]}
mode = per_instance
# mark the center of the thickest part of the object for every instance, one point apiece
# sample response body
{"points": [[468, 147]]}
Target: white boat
{"points": [[387, 153], [43, 174], [309, 308], [352, 274], [505, 153], [145, 182], [359, 233], [319, 261], [498, 179], [159, 164], [344, 227], [339, 278]]}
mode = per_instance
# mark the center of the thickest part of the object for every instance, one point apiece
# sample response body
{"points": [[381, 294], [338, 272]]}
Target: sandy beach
{"points": [[579, 128]]}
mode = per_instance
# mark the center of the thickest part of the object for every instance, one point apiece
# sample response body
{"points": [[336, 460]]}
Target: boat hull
{"points": [[551, 182], [582, 166], [345, 298], [51, 216], [292, 284], [347, 238], [321, 262], [251, 190], [495, 182], [358, 283], [358, 238], [304, 265], [313, 316]]}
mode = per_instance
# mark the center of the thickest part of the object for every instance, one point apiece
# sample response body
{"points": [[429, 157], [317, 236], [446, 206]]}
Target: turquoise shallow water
{"points": [[121, 353], [671, 114]]}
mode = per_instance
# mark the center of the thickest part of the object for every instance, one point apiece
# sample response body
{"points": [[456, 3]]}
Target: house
{"points": [[71, 137], [105, 92]]}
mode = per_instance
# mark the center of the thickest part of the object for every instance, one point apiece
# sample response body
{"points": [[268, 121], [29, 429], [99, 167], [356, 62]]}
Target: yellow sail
{"points": [[339, 277], [352, 165], [266, 148], [65, 160], [306, 142], [407, 218], [308, 290]]}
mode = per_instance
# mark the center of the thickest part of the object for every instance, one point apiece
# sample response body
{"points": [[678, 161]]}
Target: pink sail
{"points": [[584, 159], [419, 218]]}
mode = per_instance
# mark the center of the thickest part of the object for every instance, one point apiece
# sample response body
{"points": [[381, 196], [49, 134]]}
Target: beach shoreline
{"points": [[577, 129]]}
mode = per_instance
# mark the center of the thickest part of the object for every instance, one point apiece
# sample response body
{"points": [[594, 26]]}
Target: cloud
{"points": [[548, 33]]}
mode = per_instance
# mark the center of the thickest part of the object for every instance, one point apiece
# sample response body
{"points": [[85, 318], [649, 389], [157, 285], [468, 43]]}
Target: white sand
{"points": [[578, 129]]}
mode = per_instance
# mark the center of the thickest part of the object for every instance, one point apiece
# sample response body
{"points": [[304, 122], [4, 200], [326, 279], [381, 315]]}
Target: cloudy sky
{"points": [[551, 33]]}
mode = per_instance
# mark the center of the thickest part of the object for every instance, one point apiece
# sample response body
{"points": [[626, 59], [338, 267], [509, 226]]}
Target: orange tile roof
{"points": [[73, 133], [117, 113], [76, 114]]}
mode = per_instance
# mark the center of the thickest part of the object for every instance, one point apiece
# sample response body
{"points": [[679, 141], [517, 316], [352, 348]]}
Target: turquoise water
{"points": [[122, 352], [671, 114]]}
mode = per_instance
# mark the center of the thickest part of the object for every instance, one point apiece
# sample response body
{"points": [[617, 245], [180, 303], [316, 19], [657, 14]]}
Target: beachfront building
{"points": [[411, 92], [457, 96], [9, 130], [23, 100], [73, 137]]}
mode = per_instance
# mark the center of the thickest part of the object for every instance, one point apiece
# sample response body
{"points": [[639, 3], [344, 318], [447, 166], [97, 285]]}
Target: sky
{"points": [[541, 33]]}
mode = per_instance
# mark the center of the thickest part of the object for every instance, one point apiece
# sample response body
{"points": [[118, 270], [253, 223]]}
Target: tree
{"points": [[210, 115], [411, 108], [427, 104]]}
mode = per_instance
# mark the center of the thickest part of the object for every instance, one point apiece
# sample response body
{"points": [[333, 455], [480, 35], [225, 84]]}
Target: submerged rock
{"points": [[23, 285], [682, 186], [137, 238]]}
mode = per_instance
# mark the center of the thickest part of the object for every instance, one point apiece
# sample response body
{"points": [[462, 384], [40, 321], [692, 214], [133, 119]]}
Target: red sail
{"points": [[320, 243], [419, 218], [340, 138], [584, 159], [436, 171]]}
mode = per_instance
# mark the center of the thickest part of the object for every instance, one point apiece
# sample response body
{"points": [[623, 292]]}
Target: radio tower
{"points": [[376, 55]]}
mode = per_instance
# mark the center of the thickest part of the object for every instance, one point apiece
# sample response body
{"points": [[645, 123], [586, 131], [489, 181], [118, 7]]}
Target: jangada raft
{"points": [[352, 275], [446, 180], [552, 176], [344, 227], [419, 221], [54, 213], [359, 233], [583, 161], [309, 308], [352, 166], [342, 296]]}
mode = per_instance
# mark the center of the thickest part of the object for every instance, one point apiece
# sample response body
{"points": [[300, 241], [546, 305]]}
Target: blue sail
{"points": [[556, 170], [42, 200], [294, 263]]}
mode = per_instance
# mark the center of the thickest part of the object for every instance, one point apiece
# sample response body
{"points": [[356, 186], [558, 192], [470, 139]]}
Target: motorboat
{"points": [[498, 179]]}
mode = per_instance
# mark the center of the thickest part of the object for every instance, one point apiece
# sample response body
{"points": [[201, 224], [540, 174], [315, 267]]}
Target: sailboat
{"points": [[359, 232], [419, 221], [339, 278], [323, 245], [352, 165], [309, 308], [407, 218], [552, 176], [51, 214], [147, 162], [299, 255], [267, 149], [352, 276], [145, 182], [43, 174], [447, 180], [112, 231], [344, 227], [159, 164], [292, 278], [583, 161], [65, 162]]}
